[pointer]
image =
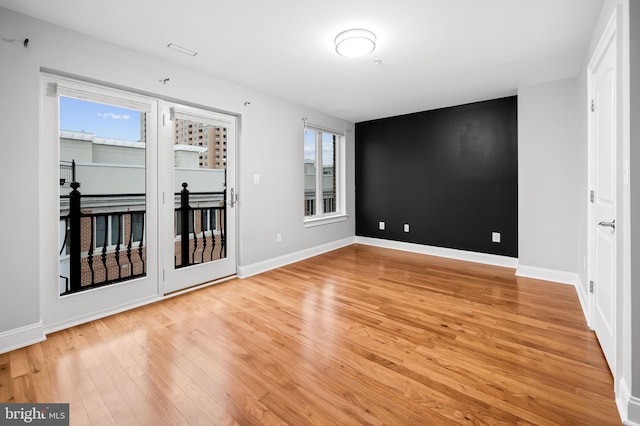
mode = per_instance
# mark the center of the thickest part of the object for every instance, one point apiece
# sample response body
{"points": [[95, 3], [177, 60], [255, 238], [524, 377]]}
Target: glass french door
{"points": [[101, 191], [198, 192], [138, 199]]}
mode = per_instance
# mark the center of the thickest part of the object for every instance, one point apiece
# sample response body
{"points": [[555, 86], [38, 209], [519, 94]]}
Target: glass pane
{"points": [[102, 155], [328, 173], [116, 231], [309, 172], [200, 163], [137, 223], [101, 231]]}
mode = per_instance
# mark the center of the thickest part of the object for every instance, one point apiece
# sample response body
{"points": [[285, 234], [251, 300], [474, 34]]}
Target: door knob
{"points": [[611, 225]]}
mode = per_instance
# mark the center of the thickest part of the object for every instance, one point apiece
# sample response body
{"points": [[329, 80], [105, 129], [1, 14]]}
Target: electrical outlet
{"points": [[278, 238], [256, 179], [381, 226], [495, 237], [406, 227]]}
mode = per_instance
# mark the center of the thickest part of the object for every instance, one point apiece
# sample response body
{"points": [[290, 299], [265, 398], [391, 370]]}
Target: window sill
{"points": [[324, 220]]}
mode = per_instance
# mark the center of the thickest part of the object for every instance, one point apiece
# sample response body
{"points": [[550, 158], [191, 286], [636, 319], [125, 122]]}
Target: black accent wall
{"points": [[450, 173]]}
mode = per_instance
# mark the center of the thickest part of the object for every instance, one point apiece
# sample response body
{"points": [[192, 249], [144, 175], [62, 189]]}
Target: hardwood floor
{"points": [[361, 335]]}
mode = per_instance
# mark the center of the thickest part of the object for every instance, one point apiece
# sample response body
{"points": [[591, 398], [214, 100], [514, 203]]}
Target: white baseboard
{"points": [[628, 406], [51, 328], [633, 412], [21, 337], [469, 256], [544, 274], [562, 277], [277, 262]]}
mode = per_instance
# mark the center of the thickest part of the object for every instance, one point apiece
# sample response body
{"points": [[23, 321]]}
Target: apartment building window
{"points": [[137, 226], [323, 176], [109, 230], [209, 220]]}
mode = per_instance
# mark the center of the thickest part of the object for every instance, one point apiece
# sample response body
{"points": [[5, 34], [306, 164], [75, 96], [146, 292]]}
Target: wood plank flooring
{"points": [[361, 335]]}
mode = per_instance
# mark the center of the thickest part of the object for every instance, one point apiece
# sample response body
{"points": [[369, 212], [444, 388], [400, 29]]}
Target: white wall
{"points": [[271, 137], [548, 175]]}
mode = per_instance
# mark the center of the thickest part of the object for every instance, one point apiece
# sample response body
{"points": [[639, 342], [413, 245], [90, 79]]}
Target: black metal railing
{"points": [[103, 248], [108, 246], [67, 171], [197, 227]]}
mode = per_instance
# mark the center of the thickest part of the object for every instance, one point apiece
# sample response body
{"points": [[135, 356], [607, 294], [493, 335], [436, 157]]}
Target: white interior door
{"points": [[198, 224], [603, 159]]}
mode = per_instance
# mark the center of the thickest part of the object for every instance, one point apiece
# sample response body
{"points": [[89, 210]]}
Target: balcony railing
{"points": [[67, 172], [204, 240], [103, 247], [107, 246]]}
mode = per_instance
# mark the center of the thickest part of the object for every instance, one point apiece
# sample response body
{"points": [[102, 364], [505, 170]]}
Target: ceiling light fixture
{"points": [[181, 49], [355, 42]]}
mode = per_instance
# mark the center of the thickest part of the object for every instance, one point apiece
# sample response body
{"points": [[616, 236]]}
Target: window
{"points": [[137, 226], [209, 219], [323, 176], [109, 230]]}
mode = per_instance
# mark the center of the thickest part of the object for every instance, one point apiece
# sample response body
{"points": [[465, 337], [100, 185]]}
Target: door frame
{"points": [[608, 37]]}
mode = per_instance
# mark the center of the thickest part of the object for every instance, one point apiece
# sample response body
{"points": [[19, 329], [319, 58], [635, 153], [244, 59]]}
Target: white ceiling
{"points": [[434, 53]]}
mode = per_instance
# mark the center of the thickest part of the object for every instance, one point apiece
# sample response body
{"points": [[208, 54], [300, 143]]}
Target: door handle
{"points": [[233, 198], [611, 225]]}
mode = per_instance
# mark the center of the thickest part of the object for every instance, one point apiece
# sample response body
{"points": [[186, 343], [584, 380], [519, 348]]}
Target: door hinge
{"points": [[163, 198], [593, 106], [592, 196], [163, 275], [590, 286]]}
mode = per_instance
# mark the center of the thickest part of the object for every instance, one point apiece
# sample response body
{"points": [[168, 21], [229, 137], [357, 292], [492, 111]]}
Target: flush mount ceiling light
{"points": [[355, 42]]}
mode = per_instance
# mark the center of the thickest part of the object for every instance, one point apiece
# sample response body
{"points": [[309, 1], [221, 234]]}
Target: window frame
{"points": [[322, 218]]}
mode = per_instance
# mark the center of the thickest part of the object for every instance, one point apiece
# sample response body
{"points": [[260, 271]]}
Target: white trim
{"points": [[277, 262], [468, 256], [51, 328], [199, 286], [72, 88], [201, 115], [323, 129], [21, 337], [544, 274], [633, 412], [562, 277], [324, 220], [628, 406]]}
